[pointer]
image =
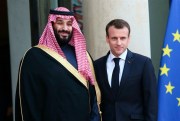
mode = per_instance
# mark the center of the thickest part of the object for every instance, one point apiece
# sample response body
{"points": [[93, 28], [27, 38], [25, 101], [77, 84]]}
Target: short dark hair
{"points": [[117, 23]]}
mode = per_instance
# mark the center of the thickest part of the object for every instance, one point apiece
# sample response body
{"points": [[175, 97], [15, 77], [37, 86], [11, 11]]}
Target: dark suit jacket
{"points": [[137, 94]]}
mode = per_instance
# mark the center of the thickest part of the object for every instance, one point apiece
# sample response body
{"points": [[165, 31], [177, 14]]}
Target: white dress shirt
{"points": [[110, 65]]}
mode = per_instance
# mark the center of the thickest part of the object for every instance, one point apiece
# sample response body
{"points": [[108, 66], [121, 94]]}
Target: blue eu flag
{"points": [[169, 76]]}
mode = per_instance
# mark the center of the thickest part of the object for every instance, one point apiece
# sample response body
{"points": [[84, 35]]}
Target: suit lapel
{"points": [[127, 69], [104, 76], [104, 66]]}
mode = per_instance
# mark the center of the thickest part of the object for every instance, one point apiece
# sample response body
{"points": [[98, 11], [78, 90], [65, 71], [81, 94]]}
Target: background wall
{"points": [[158, 14]]}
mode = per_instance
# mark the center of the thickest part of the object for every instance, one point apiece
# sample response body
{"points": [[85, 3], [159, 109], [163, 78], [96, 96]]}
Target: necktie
{"points": [[115, 76]]}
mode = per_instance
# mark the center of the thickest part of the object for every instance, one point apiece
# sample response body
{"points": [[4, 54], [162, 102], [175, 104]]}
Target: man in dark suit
{"points": [[134, 96]]}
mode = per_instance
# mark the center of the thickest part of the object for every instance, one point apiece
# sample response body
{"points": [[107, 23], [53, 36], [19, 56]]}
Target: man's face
{"points": [[118, 40], [63, 30]]}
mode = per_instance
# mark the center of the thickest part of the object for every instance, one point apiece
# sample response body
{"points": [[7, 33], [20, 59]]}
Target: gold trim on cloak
{"points": [[98, 92], [65, 63], [19, 91]]}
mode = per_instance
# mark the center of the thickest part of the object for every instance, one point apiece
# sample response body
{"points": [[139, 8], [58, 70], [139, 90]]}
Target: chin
{"points": [[118, 53], [63, 37]]}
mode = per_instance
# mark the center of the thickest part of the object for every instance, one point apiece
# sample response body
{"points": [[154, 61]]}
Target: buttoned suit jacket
{"points": [[137, 94]]}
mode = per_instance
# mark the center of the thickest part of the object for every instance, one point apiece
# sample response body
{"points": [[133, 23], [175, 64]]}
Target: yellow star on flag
{"points": [[178, 101], [169, 88], [176, 36], [164, 70], [166, 50]]}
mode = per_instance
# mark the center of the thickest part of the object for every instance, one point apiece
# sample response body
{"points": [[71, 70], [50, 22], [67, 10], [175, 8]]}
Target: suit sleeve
{"points": [[150, 91]]}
